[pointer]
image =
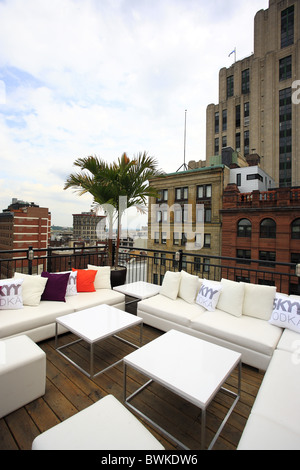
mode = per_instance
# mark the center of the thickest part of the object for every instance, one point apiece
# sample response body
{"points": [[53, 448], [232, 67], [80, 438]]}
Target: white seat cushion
{"points": [[105, 425], [249, 332], [92, 299], [177, 310]]}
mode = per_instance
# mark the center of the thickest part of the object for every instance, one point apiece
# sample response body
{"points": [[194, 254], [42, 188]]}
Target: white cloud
{"points": [[86, 77]]}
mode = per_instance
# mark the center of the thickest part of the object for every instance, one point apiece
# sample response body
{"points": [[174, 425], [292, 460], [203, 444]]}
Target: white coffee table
{"points": [[139, 290], [95, 324], [188, 366]]}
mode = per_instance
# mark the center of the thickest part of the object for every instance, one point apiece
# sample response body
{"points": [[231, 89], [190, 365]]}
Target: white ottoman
{"points": [[105, 425], [22, 373]]}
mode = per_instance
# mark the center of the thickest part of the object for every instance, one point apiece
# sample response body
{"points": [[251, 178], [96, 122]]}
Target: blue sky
{"points": [[100, 77]]}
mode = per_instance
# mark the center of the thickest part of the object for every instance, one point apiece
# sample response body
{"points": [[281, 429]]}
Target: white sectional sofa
{"points": [[264, 326], [239, 319], [24, 312]]}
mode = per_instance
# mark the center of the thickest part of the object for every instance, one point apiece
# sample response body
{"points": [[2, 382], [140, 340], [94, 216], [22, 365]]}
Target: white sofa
{"points": [[23, 312], [264, 326], [238, 321], [274, 421]]}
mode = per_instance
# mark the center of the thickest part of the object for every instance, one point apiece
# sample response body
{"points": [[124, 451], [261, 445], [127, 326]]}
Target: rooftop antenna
{"points": [[184, 165]]}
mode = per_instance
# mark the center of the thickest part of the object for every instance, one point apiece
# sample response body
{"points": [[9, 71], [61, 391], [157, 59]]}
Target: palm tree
{"points": [[110, 183]]}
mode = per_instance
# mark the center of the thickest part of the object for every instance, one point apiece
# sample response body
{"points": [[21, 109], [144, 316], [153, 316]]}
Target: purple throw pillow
{"points": [[56, 286]]}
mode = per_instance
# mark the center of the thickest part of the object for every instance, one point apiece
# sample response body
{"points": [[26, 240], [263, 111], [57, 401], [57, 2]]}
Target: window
{"points": [[181, 194], [255, 176], [296, 229], [176, 238], [244, 256], [156, 258], [244, 228], [162, 195], [246, 143], [224, 141], [197, 264], [217, 146], [224, 120], [207, 240], [156, 237], [230, 82], [285, 137], [266, 256], [268, 228], [285, 68], [207, 215], [217, 123], [238, 141], [206, 265], [245, 81], [238, 179], [163, 257], [198, 239], [204, 191], [246, 114], [287, 27], [164, 237], [238, 116]]}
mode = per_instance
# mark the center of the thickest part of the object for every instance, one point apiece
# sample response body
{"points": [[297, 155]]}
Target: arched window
{"points": [[268, 228], [244, 228], [296, 229]]}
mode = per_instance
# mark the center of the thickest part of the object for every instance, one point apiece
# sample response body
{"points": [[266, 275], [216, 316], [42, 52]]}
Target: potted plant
{"points": [[112, 183]]}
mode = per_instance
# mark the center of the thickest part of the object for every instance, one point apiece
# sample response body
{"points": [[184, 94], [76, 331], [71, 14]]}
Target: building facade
{"points": [[24, 225], [262, 229], [186, 216], [259, 97], [87, 227]]}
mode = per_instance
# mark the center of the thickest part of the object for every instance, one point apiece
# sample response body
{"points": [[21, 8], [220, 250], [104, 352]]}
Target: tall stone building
{"points": [[259, 97]]}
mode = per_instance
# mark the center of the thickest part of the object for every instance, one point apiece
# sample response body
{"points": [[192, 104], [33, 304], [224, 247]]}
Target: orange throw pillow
{"points": [[85, 280]]}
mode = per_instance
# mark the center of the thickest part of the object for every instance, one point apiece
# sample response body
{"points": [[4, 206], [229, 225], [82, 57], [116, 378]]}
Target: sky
{"points": [[103, 77]]}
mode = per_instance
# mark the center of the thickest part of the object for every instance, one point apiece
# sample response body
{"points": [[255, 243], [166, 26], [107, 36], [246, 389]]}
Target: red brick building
{"points": [[23, 225], [265, 227]]}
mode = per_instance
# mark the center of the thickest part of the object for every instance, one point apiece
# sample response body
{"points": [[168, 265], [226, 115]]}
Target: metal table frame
{"points": [[91, 373], [203, 410]]}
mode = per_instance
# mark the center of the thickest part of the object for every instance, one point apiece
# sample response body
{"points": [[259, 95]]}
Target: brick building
{"points": [[262, 227], [23, 225]]}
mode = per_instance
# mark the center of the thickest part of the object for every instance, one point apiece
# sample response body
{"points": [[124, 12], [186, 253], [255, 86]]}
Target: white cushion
{"points": [[189, 286], [278, 396], [248, 332], [91, 299], [72, 283], [102, 279], [178, 311], [209, 294], [170, 284], [32, 288], [258, 301], [231, 297], [105, 425], [290, 341], [11, 294], [286, 312]]}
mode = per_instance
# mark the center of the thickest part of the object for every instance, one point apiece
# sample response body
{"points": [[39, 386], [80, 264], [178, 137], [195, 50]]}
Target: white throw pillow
{"points": [[286, 312], [32, 288], [170, 284], [102, 279], [11, 294], [189, 286], [258, 301], [209, 294], [231, 297], [72, 283]]}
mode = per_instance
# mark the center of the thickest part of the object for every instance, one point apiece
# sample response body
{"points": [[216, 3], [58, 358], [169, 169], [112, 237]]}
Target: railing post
{"points": [[49, 254], [30, 256]]}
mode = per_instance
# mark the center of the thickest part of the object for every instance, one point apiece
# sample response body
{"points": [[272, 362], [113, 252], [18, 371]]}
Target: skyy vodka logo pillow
{"points": [[11, 294]]}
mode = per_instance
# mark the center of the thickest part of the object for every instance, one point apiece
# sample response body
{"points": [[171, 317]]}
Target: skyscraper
{"points": [[259, 97]]}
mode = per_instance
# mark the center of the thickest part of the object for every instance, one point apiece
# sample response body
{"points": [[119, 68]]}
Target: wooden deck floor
{"points": [[68, 391]]}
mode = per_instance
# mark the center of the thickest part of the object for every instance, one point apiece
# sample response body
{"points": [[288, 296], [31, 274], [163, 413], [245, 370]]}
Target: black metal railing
{"points": [[151, 265]]}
